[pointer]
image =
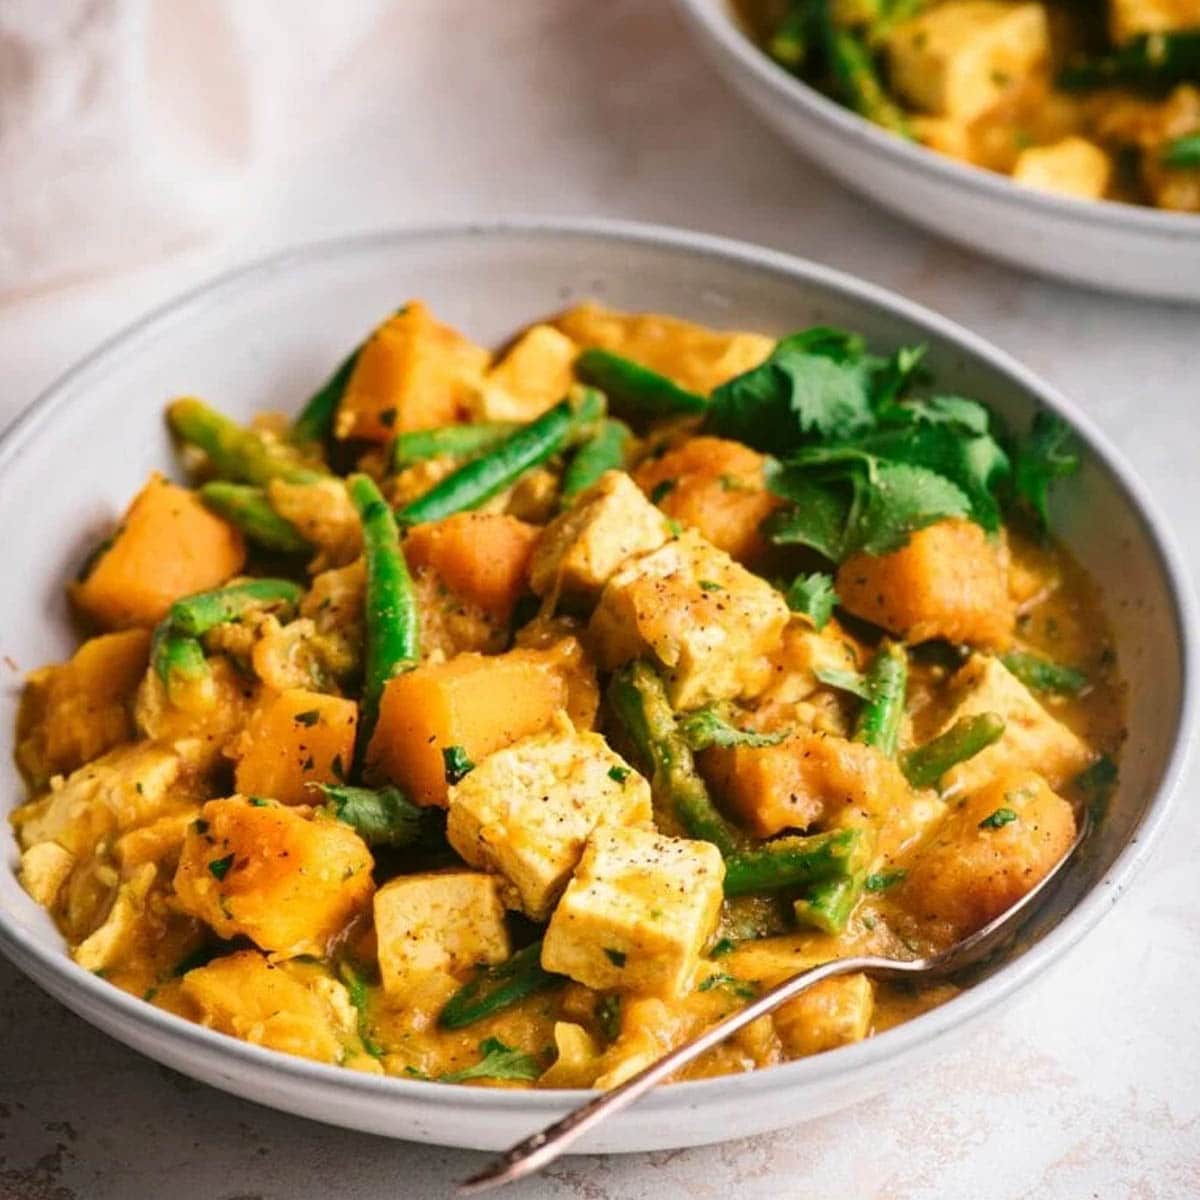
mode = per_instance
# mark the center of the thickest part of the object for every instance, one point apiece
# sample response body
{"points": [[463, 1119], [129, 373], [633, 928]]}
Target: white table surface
{"points": [[1089, 1086]]}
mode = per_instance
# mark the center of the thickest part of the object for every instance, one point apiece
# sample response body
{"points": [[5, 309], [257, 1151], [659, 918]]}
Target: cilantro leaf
{"points": [[498, 1062], [998, 819], [385, 817], [819, 513], [846, 681], [705, 727], [896, 376], [356, 989], [815, 383], [902, 500], [1047, 454], [456, 764], [814, 597]]}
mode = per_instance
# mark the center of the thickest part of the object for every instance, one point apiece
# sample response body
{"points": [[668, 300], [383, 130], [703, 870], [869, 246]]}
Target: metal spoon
{"points": [[544, 1147]]}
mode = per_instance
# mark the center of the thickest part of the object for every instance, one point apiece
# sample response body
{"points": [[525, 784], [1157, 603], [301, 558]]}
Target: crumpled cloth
{"points": [[130, 128]]}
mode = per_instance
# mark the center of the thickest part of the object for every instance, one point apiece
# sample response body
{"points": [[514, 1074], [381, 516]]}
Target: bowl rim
{"points": [[68, 981], [719, 24]]}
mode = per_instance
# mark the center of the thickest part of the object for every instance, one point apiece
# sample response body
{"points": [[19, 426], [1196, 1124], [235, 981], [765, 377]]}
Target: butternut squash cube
{"points": [[478, 702], [716, 486], [835, 1013], [294, 739], [439, 922], [167, 545], [483, 558], [533, 375], [960, 58], [709, 622], [637, 912], [947, 582], [279, 876], [527, 810], [75, 711], [413, 373]]}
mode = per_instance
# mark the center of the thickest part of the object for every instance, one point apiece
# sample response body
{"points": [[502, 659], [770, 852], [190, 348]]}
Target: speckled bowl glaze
{"points": [[1117, 247], [260, 337]]}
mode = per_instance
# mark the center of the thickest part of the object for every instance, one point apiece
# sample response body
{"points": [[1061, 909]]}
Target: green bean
{"points": [[790, 43], [454, 441], [828, 904], [236, 453], [796, 861], [356, 990], [635, 391], [638, 698], [385, 817], [925, 765], [392, 620], [247, 507], [477, 481], [1042, 675], [497, 988], [178, 659], [195, 615], [858, 84], [1183, 153], [315, 420], [1154, 60], [605, 452], [882, 713]]}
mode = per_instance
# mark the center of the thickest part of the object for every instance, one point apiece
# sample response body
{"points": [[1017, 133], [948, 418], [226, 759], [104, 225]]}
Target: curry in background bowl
{"points": [[1094, 101], [509, 718]]}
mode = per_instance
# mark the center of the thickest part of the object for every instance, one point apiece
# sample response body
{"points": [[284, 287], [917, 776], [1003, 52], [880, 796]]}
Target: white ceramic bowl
{"points": [[1118, 247], [262, 336]]}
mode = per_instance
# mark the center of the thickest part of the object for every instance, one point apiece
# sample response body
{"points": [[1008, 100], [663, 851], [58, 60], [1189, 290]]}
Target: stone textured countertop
{"points": [[1088, 1086]]}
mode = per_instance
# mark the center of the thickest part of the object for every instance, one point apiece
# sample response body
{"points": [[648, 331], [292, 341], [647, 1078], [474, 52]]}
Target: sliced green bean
{"points": [[385, 817], [924, 766], [882, 713], [497, 988], [453, 441], [1154, 60], [392, 619], [315, 420], [247, 507], [828, 904], [478, 481], [796, 861], [635, 391], [606, 451], [638, 698], [1042, 675], [858, 84], [178, 659], [195, 615], [236, 453], [1183, 152], [790, 43]]}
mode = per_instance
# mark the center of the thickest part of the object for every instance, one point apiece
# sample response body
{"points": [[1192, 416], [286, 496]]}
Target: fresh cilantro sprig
{"points": [[814, 597], [705, 727], [498, 1062]]}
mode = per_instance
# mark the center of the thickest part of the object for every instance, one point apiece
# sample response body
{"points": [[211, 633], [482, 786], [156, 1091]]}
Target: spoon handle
{"points": [[546, 1145]]}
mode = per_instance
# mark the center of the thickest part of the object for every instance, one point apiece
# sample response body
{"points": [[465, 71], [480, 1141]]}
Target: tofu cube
{"points": [[439, 922], [285, 879], [1071, 167], [709, 622], [960, 58], [1128, 19], [949, 581], [526, 811], [534, 374], [609, 524], [637, 913], [1032, 737], [44, 869]]}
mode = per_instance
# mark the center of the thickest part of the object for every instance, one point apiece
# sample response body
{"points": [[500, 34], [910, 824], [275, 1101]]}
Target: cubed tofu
{"points": [[637, 912], [75, 711], [694, 356], [167, 545], [527, 810], [715, 486], [296, 739], [1128, 19], [412, 373], [534, 374], [45, 867], [119, 791], [987, 854], [836, 1012], [479, 703], [127, 927], [439, 922], [802, 653], [709, 622], [960, 58], [251, 998], [1071, 167], [285, 879], [1032, 737], [483, 558], [947, 582], [608, 524], [808, 777], [157, 842]]}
